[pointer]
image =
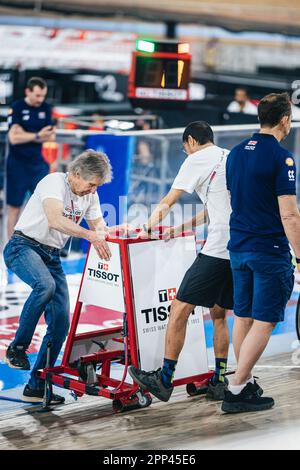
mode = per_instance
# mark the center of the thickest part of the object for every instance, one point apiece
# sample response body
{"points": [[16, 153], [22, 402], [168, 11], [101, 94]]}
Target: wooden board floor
{"points": [[182, 423]]}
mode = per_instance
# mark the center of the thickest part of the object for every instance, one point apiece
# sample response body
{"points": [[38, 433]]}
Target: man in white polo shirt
{"points": [[53, 214], [208, 282]]}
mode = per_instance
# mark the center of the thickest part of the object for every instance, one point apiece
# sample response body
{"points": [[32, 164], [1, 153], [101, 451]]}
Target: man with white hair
{"points": [[52, 215]]}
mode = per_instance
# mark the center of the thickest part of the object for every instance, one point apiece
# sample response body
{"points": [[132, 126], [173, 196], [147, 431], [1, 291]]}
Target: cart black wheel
{"points": [[118, 406], [192, 390], [298, 318]]}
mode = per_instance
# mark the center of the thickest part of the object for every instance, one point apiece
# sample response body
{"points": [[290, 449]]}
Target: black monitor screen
{"points": [[153, 72]]}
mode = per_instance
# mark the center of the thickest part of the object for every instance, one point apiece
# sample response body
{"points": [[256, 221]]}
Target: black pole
{"points": [[48, 385], [171, 29]]}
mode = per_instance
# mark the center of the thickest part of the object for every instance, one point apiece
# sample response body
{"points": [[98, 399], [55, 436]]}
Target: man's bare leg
{"points": [[13, 214], [221, 331], [160, 383], [176, 330], [241, 328], [251, 349]]}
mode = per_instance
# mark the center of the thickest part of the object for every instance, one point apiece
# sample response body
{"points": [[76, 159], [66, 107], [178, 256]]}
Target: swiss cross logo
{"points": [[102, 266], [166, 295], [172, 293]]}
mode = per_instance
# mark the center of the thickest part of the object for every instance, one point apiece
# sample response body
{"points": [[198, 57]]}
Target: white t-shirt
{"points": [[249, 108], [194, 175], [33, 221]]}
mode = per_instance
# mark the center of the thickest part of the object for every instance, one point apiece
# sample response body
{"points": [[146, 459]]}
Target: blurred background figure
{"points": [[145, 175], [242, 103], [30, 125]]}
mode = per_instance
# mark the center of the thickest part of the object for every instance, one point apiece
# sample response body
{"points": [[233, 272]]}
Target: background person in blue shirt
{"points": [[30, 125], [261, 178]]}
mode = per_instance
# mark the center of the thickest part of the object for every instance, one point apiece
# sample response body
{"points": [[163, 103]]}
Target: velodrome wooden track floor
{"points": [[182, 423]]}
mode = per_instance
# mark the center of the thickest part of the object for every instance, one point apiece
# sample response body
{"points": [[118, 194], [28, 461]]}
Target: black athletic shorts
{"points": [[207, 282]]}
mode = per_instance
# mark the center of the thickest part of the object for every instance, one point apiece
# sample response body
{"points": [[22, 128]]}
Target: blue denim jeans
{"points": [[40, 267]]}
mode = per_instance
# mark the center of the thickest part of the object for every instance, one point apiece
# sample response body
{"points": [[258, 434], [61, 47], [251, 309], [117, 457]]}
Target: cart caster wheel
{"points": [[192, 390], [144, 400], [140, 400]]}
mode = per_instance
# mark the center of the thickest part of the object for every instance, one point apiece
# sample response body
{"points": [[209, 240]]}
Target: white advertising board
{"points": [[157, 269], [102, 284], [161, 93]]}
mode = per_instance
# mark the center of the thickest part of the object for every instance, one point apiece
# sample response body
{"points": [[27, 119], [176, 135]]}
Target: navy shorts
{"points": [[21, 178], [262, 284], [207, 282]]}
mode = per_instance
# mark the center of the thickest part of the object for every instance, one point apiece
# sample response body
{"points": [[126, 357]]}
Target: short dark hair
{"points": [[36, 81], [200, 131], [272, 108], [242, 88]]}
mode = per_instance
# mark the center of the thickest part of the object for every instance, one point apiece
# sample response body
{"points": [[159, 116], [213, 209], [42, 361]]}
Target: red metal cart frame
{"points": [[81, 377]]}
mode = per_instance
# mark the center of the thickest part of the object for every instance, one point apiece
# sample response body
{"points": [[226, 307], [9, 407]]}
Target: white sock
{"points": [[251, 380], [236, 389]]}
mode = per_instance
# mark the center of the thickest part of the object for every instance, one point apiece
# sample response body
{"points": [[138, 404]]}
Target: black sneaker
{"points": [[16, 357], [217, 391], [257, 388], [247, 400], [152, 382], [36, 396]]}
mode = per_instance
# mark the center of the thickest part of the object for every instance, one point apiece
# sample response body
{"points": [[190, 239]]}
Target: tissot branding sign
{"points": [[157, 269], [102, 282], [102, 273], [167, 294], [160, 313]]}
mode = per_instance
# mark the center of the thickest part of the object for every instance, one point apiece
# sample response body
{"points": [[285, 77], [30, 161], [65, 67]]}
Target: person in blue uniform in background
{"points": [[30, 125]]}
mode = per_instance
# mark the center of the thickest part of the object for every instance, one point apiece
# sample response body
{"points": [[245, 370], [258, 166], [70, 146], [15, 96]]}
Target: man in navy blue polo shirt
{"points": [[261, 178], [30, 125]]}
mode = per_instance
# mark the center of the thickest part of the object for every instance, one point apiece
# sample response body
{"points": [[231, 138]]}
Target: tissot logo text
{"points": [[99, 274]]}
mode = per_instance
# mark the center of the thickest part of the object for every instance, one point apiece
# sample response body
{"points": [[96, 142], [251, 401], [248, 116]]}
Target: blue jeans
{"points": [[40, 267], [262, 284]]}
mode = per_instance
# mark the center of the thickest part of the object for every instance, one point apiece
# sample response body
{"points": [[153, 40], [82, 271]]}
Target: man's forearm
{"points": [[22, 137], [158, 214], [68, 227], [198, 219], [292, 230]]}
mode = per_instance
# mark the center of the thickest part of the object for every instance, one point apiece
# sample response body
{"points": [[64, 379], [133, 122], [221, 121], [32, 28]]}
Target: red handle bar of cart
{"points": [[157, 233]]}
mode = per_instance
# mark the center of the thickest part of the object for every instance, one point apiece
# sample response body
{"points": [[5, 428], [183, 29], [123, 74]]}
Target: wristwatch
{"points": [[37, 137]]}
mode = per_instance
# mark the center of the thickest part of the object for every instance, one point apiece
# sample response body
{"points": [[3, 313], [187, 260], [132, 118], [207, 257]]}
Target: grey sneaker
{"points": [[152, 382], [217, 391]]}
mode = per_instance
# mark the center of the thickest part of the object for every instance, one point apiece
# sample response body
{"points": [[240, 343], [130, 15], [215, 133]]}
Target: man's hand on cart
{"points": [[171, 232], [124, 230], [146, 233], [98, 241]]}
